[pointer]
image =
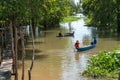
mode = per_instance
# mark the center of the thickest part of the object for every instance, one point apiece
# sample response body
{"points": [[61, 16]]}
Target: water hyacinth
{"points": [[104, 64]]}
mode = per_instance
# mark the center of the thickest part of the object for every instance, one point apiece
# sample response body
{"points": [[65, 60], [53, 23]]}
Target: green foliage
{"points": [[10, 8], [101, 13], [104, 64], [69, 19], [45, 12], [54, 11]]}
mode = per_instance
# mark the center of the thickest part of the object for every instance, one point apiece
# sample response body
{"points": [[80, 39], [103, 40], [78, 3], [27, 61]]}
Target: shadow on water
{"points": [[103, 33], [37, 55], [36, 42], [29, 54]]}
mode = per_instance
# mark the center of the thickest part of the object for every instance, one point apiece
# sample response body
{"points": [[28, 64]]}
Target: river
{"points": [[57, 59]]}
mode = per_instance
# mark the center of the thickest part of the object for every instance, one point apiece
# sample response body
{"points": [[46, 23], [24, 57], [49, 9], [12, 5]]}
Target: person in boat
{"points": [[60, 34], [94, 41], [77, 44]]}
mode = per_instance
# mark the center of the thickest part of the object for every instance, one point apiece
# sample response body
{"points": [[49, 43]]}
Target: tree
{"points": [[12, 12], [19, 13], [101, 13], [53, 12], [118, 16]]}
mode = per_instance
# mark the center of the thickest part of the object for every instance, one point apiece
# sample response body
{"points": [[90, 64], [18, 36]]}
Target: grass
{"points": [[70, 19]]}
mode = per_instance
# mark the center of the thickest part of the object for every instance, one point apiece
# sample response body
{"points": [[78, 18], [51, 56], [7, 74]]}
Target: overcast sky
{"points": [[76, 1]]}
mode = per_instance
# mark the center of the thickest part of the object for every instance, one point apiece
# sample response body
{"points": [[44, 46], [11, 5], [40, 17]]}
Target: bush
{"points": [[104, 64]]}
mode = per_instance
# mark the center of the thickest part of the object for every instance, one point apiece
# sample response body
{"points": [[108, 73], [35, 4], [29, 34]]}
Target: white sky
{"points": [[76, 1]]}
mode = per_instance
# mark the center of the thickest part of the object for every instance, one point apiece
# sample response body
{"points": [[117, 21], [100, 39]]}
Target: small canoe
{"points": [[86, 47], [66, 35], [69, 34], [92, 45]]}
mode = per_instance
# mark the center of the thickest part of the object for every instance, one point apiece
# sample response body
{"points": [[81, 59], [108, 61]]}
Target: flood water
{"points": [[57, 58]]}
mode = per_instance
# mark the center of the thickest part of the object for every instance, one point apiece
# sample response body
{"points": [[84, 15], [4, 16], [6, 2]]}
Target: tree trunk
{"points": [[13, 51], [16, 43], [23, 53], [33, 51], [33, 25], [118, 16]]}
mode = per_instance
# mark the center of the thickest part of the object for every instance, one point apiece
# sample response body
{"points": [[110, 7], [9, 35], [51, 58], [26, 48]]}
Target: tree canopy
{"points": [[45, 12], [101, 13]]}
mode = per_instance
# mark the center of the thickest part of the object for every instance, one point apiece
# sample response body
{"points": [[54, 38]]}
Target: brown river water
{"points": [[57, 58]]}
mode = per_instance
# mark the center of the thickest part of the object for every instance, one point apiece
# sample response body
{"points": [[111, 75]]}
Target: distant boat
{"points": [[66, 35], [69, 34], [86, 47]]}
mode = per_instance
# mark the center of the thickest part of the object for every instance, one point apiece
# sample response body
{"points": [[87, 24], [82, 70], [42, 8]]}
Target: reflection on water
{"points": [[58, 60], [73, 65]]}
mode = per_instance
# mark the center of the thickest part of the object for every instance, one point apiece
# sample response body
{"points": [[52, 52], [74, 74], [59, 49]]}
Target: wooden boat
{"points": [[86, 47], [92, 45], [69, 34], [66, 35]]}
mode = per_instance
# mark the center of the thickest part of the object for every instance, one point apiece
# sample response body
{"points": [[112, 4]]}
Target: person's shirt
{"points": [[77, 45]]}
